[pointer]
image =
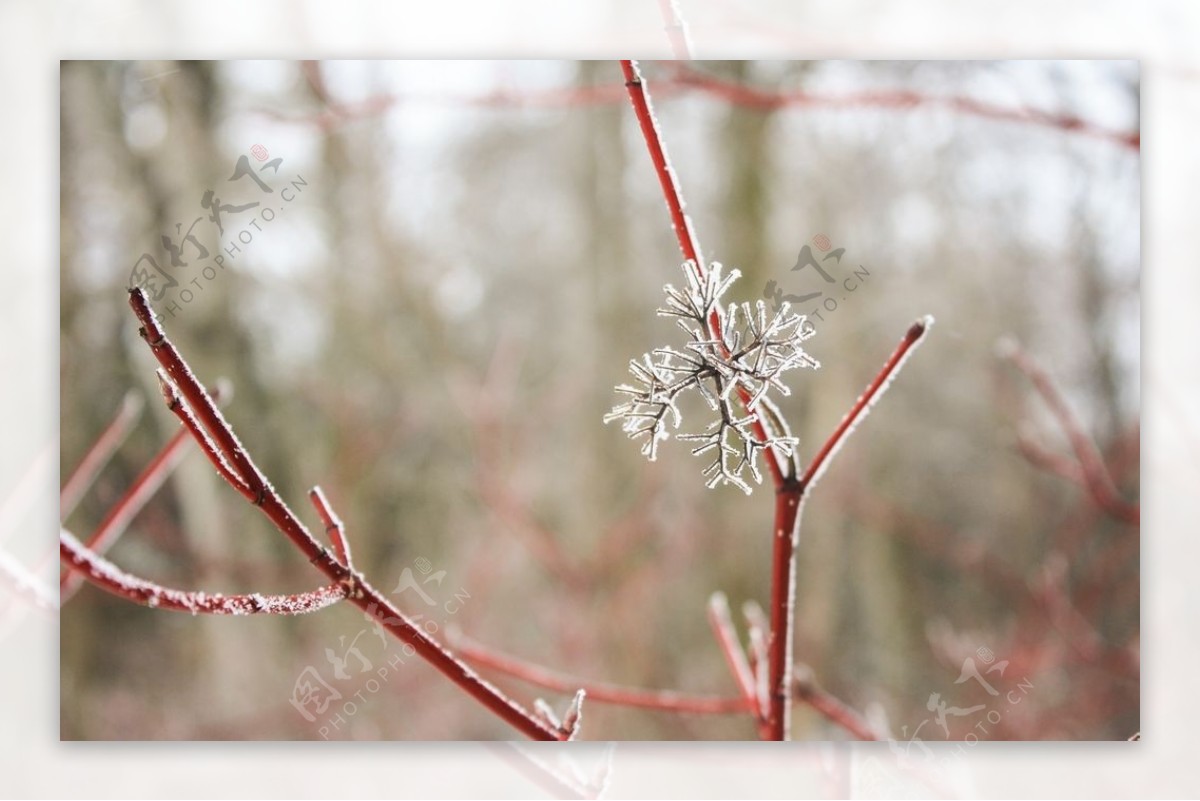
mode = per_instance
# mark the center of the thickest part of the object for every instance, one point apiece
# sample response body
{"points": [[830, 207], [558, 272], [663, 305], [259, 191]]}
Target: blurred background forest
{"points": [[431, 329]]}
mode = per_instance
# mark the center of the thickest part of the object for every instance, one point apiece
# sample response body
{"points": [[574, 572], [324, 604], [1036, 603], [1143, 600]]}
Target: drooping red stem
{"points": [[223, 447], [110, 578]]}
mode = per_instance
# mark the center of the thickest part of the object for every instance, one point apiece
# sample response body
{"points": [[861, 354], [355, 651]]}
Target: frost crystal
{"points": [[731, 349]]}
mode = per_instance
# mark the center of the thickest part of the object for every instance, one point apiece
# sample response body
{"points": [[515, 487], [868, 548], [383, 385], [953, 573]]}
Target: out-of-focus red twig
{"points": [[122, 513], [488, 407], [659, 700], [1092, 470], [744, 95], [24, 582], [112, 579], [721, 622], [682, 79], [98, 455], [830, 707]]}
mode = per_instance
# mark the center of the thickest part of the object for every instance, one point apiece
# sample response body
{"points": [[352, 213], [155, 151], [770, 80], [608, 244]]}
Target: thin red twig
{"points": [[222, 446], [721, 622], [744, 95], [1096, 478], [98, 455], [1048, 460], [333, 526], [122, 513], [830, 707], [862, 407], [683, 79], [619, 695], [110, 578], [789, 500], [689, 245]]}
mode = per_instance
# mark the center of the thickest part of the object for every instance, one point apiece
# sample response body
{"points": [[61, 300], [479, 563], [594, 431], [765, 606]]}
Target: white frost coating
{"points": [[111, 578], [748, 351], [672, 176], [573, 718]]}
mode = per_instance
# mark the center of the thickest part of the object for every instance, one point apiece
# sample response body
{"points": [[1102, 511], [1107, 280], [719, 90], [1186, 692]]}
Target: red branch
{"points": [[683, 79], [133, 501], [744, 95], [110, 578], [224, 450], [1095, 476], [788, 502], [689, 245], [659, 700], [830, 707], [99, 454], [735, 657], [862, 407], [790, 490]]}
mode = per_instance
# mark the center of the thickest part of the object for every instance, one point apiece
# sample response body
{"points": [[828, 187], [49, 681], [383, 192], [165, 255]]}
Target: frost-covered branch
{"points": [[195, 407], [110, 578], [747, 359]]}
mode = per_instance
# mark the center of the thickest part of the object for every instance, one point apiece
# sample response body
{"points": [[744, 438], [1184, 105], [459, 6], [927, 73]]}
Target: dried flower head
{"points": [[738, 347]]}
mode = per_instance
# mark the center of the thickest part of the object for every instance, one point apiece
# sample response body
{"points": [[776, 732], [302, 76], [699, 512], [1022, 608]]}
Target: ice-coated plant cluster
{"points": [[732, 350]]}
